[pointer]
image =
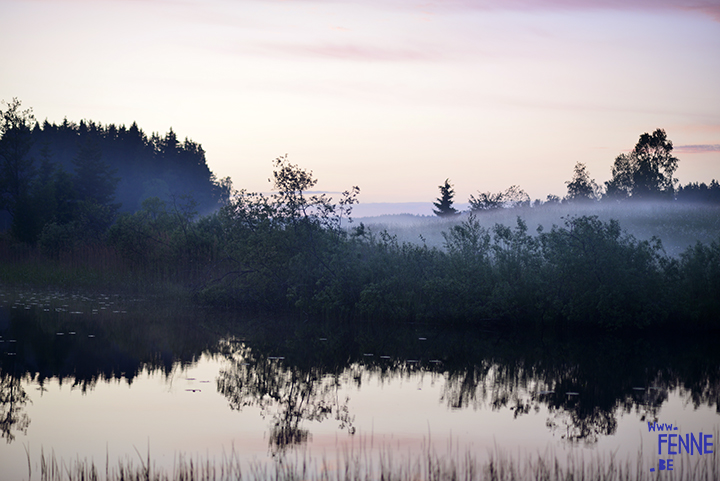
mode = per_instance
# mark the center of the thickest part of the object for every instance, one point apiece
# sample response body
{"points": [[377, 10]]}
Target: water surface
{"points": [[104, 377]]}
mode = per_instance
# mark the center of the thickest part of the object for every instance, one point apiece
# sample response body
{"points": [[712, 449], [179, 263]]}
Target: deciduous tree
{"points": [[512, 197], [582, 187], [647, 171]]}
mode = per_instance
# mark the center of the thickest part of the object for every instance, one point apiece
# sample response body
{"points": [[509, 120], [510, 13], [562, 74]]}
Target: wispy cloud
{"points": [[710, 10], [581, 4], [696, 149], [357, 52], [707, 7]]}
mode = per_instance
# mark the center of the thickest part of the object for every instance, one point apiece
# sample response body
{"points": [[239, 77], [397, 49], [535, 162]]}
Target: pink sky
{"points": [[393, 96]]}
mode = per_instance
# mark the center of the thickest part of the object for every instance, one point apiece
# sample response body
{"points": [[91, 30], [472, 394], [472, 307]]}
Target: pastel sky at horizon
{"points": [[394, 96]]}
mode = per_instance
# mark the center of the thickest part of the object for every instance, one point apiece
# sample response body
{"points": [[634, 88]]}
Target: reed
{"points": [[94, 266], [362, 463]]}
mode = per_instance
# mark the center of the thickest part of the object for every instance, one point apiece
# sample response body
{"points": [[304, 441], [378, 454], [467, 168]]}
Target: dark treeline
{"points": [[291, 251], [700, 192], [72, 179], [148, 166], [644, 174]]}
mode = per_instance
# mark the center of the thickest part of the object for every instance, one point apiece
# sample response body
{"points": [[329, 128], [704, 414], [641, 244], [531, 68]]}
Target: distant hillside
{"points": [[375, 209]]}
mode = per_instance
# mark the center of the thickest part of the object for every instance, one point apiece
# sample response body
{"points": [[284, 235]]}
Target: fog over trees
{"points": [[109, 206], [73, 179], [644, 174], [647, 171]]}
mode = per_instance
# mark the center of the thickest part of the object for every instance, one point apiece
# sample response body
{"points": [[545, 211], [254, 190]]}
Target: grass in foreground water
{"points": [[356, 464]]}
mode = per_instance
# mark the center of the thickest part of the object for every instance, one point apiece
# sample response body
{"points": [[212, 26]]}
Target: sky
{"points": [[393, 96]]}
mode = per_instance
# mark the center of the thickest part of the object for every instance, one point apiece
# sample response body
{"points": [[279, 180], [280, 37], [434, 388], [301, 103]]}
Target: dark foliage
{"points": [[147, 166], [513, 196], [63, 185], [17, 167], [582, 188], [290, 251], [647, 171], [444, 203], [700, 192]]}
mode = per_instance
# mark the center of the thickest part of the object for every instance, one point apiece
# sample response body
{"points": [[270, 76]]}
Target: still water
{"points": [[106, 378]]}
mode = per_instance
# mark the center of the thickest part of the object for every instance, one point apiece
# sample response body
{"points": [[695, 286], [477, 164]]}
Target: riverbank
{"points": [[587, 273]]}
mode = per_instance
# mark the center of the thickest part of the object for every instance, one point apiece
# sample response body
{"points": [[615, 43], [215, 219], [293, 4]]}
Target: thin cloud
{"points": [[357, 52], [584, 4], [710, 8], [697, 149]]}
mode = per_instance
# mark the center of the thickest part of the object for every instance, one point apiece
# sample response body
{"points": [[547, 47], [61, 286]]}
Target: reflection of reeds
{"points": [[364, 463]]}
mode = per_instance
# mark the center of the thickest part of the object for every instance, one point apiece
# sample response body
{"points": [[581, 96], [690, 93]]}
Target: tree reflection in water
{"points": [[584, 385], [584, 388], [13, 399], [583, 382], [287, 394]]}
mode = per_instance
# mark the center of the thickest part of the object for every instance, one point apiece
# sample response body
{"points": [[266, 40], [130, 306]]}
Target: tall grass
{"points": [[363, 463], [91, 266]]}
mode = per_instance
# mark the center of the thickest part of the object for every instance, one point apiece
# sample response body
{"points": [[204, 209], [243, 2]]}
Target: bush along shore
{"points": [[294, 252]]}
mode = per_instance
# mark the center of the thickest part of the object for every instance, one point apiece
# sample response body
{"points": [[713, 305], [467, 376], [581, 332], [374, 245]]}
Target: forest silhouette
{"points": [[644, 174], [110, 206]]}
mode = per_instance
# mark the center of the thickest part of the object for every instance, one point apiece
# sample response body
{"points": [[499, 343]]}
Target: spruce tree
{"points": [[443, 206]]}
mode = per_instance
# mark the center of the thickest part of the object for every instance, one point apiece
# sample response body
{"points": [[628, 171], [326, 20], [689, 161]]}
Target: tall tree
{"points": [[582, 187], [443, 205], [621, 185], [647, 171], [17, 166], [655, 165]]}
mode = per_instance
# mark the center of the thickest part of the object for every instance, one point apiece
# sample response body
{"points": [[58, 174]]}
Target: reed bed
{"points": [[362, 464], [94, 266]]}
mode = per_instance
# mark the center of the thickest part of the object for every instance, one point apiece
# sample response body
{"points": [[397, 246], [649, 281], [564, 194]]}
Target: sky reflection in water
{"points": [[205, 383]]}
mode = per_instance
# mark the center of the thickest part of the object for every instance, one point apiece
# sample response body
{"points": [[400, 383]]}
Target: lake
{"points": [[102, 377]]}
